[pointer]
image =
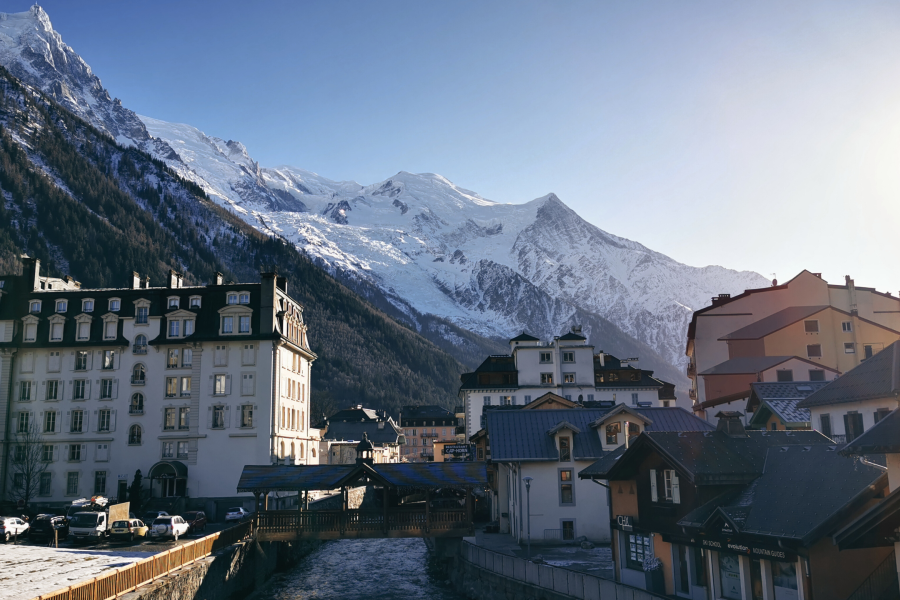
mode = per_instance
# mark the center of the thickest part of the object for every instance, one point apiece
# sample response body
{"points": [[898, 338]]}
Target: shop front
{"points": [[736, 569]]}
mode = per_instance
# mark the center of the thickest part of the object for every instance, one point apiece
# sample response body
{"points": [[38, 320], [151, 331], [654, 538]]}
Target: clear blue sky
{"points": [[757, 135]]}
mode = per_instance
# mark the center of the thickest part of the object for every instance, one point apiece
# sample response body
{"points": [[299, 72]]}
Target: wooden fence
{"points": [[125, 579]]}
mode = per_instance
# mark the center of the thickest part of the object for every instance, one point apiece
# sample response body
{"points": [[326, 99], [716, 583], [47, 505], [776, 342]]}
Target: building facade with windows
{"points": [[423, 426], [187, 384], [567, 367], [829, 328]]}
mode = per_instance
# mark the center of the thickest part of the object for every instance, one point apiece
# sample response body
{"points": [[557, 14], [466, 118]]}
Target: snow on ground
{"points": [[29, 571]]}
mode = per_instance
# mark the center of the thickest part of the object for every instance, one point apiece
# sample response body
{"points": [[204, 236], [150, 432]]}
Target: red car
{"points": [[196, 520]]}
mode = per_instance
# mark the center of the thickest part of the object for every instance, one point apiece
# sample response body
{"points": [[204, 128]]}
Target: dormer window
{"points": [[227, 324], [87, 305], [115, 305], [34, 306], [612, 433], [84, 331], [244, 298], [174, 328], [244, 324], [565, 449], [61, 306], [188, 327], [56, 332], [232, 299], [141, 315], [195, 302], [30, 332], [173, 302]]}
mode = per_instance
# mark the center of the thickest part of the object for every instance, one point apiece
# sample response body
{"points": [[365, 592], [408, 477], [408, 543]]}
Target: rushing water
{"points": [[363, 569]]}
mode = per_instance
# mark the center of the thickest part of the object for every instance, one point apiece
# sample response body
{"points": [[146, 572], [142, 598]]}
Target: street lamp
{"points": [[527, 481]]}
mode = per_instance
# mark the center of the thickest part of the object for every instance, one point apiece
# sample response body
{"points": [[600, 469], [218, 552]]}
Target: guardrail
{"points": [[125, 579], [562, 581]]}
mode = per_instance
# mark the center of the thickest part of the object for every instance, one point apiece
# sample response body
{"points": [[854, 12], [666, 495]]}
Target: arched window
{"points": [[140, 344], [137, 404], [301, 449], [282, 450], [134, 435], [138, 374], [312, 451], [293, 451]]}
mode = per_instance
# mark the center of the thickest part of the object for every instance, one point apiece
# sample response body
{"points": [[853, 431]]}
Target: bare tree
{"points": [[29, 463]]}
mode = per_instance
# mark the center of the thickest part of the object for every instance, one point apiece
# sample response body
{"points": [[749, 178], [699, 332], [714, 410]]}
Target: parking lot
{"points": [[30, 567]]}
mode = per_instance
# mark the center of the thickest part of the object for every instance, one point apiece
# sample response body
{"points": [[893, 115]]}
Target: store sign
{"points": [[736, 547], [624, 523], [459, 451]]}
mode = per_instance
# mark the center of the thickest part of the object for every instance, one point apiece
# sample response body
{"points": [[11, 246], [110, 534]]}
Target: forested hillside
{"points": [[98, 211]]}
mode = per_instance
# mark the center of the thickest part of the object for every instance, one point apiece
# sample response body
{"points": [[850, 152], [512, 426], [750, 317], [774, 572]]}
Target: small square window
{"points": [[232, 298], [847, 326], [785, 374], [245, 299], [195, 302], [569, 357], [546, 378], [173, 302], [546, 357], [115, 305], [34, 306], [61, 306], [811, 326], [182, 451], [814, 350], [87, 306], [849, 348], [568, 377], [816, 375]]}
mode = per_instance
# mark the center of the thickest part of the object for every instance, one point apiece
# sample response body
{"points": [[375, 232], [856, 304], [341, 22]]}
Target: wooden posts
{"points": [[427, 510], [470, 520], [385, 501]]}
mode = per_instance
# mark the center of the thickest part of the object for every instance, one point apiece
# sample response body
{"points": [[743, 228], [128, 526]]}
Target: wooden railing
{"points": [[336, 521], [125, 579]]}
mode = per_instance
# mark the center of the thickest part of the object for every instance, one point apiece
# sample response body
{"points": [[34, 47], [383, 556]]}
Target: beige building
{"points": [[828, 329]]}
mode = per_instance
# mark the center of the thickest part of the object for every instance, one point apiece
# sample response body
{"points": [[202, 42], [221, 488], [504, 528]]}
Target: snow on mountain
{"points": [[495, 269]]}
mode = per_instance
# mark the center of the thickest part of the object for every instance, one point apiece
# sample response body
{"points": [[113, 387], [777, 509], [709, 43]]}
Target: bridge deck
{"points": [[287, 525]]}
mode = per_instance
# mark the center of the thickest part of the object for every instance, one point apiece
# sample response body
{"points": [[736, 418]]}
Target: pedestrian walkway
{"points": [[595, 561]]}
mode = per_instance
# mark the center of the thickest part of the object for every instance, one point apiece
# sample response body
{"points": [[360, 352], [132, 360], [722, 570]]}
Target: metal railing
{"points": [[125, 579], [882, 578], [838, 439], [553, 535], [560, 580], [139, 349], [331, 521]]}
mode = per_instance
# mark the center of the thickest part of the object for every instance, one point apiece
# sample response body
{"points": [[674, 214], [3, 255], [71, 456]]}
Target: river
{"points": [[363, 569]]}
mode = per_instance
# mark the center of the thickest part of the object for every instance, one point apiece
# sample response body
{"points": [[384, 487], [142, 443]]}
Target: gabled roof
{"points": [[785, 390], [568, 337], [524, 337], [882, 438], [802, 492], [747, 365], [877, 377], [618, 409], [547, 398], [521, 435], [773, 323], [353, 432], [711, 457], [785, 410], [562, 425]]}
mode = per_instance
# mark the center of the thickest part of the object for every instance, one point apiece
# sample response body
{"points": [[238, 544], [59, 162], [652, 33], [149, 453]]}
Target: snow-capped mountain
{"points": [[431, 246]]}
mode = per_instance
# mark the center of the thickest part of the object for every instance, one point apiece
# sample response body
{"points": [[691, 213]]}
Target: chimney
{"points": [[282, 283], [267, 303], [851, 288], [31, 270], [173, 279], [730, 422], [219, 278], [146, 282], [135, 280], [720, 299]]}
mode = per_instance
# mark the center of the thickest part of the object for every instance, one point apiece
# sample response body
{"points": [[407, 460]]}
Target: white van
{"points": [[89, 526]]}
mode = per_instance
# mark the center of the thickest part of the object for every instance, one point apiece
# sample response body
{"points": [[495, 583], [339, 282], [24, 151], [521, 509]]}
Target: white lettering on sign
{"points": [[712, 544], [769, 553]]}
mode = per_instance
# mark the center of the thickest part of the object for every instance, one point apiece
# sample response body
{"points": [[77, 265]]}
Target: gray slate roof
{"points": [[522, 434], [797, 494], [746, 365], [786, 410], [348, 431], [773, 323], [711, 457], [795, 390], [877, 377]]}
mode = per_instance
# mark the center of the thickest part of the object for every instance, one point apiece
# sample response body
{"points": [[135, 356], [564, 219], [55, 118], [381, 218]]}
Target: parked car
{"points": [[129, 530], [44, 525], [151, 516], [171, 526], [11, 527], [196, 520], [236, 514]]}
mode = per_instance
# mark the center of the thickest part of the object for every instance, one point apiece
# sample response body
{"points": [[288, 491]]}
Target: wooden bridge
{"points": [[402, 500]]}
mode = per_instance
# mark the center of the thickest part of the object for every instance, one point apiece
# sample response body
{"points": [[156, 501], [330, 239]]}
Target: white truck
{"points": [[92, 523]]}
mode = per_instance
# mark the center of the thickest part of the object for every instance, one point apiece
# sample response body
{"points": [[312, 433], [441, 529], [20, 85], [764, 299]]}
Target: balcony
{"points": [[138, 381], [425, 434], [692, 394], [691, 370], [839, 439], [135, 410], [460, 430], [142, 349]]}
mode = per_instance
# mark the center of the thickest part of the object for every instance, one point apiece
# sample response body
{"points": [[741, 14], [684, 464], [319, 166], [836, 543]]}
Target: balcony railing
{"points": [[426, 434], [142, 349], [349, 522], [839, 439], [691, 370], [138, 380], [135, 410], [692, 394]]}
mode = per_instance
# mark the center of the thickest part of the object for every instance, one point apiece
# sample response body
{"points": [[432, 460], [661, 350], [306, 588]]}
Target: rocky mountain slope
{"points": [[418, 246]]}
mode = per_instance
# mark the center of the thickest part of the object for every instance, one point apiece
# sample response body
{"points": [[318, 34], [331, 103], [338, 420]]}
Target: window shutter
{"points": [[676, 489], [112, 420], [209, 413], [55, 453], [87, 389], [58, 422], [60, 389], [68, 420], [90, 361], [115, 388], [228, 384], [83, 452], [212, 385], [227, 417], [71, 395], [848, 427], [95, 422], [654, 497], [41, 420], [66, 452]]}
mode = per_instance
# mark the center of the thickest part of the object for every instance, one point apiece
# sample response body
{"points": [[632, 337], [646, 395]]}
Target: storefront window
{"points": [[730, 575], [756, 586], [784, 577], [699, 567], [638, 548], [682, 568]]}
